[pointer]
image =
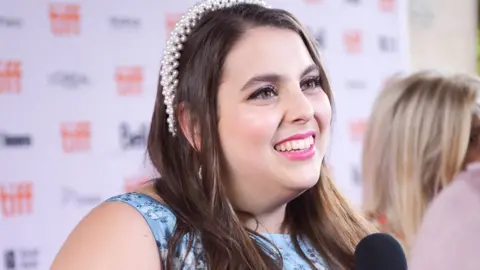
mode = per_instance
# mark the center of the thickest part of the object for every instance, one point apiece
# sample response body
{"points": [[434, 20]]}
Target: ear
{"points": [[189, 129]]}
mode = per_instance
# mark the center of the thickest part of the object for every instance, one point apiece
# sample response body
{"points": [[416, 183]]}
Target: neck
{"points": [[270, 222]]}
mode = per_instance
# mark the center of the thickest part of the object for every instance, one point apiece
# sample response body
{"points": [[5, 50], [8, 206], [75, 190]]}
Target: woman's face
{"points": [[274, 117], [473, 151]]}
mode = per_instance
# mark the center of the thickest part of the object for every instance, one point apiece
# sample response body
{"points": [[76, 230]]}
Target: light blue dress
{"points": [[162, 223]]}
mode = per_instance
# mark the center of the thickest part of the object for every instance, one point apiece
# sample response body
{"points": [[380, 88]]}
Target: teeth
{"points": [[295, 145]]}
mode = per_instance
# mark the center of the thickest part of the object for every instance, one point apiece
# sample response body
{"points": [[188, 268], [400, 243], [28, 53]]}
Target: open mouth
{"points": [[298, 145]]}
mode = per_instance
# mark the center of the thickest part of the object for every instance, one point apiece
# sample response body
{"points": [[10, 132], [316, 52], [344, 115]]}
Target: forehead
{"points": [[267, 50]]}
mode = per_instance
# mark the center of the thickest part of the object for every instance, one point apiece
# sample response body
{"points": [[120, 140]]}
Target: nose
{"points": [[298, 107]]}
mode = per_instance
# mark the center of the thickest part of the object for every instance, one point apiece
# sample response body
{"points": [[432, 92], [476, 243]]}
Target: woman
{"points": [[423, 130], [238, 134]]}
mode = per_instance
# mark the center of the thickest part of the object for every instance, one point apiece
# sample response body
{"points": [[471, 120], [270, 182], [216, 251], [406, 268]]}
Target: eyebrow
{"points": [[275, 78]]}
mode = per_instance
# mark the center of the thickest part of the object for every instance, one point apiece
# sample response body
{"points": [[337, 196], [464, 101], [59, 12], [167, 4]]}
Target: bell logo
{"points": [[129, 80], [386, 5], [76, 137], [170, 22], [353, 41], [16, 199], [65, 19], [133, 183], [10, 77], [357, 129]]}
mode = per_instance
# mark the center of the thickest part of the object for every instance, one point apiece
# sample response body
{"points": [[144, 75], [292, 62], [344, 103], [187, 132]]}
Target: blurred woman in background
{"points": [[422, 131]]}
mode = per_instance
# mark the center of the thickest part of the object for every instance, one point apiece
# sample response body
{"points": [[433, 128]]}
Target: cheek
{"points": [[322, 111], [249, 127]]}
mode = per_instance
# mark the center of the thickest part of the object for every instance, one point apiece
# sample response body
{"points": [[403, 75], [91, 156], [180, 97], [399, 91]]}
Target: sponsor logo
{"points": [[73, 196], [353, 41], [313, 1], [76, 136], [10, 77], [65, 19], [15, 140], [356, 84], [129, 80], [68, 80], [16, 199], [356, 175], [319, 36], [21, 259], [118, 22], [387, 44], [130, 138], [10, 22]]}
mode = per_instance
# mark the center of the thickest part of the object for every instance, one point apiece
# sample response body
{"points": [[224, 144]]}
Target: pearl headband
{"points": [[171, 54]]}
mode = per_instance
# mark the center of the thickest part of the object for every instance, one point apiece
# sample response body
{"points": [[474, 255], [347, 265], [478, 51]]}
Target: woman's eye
{"points": [[264, 93], [311, 83]]}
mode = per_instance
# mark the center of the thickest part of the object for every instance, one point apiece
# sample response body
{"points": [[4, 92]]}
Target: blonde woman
{"points": [[423, 130]]}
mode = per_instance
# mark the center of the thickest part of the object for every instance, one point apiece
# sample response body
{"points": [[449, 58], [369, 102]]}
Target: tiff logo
{"points": [[65, 19], [10, 140], [386, 5], [10, 22], [124, 22], [76, 136], [387, 44], [133, 183], [10, 77], [69, 80], [129, 80], [131, 139], [16, 199], [357, 129], [171, 20], [353, 41]]}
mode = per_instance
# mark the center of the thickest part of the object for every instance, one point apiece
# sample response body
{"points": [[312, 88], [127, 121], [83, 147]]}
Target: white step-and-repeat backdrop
{"points": [[77, 87]]}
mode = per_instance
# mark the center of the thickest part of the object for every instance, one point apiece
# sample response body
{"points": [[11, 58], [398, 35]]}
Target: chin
{"points": [[303, 183]]}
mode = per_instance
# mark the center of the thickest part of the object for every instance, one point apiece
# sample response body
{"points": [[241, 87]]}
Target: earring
{"points": [[200, 172]]}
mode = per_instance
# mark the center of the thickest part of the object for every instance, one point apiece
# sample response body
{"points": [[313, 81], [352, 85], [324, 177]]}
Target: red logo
{"points": [[65, 19], [353, 41], [10, 77], [16, 199], [129, 80], [76, 136], [133, 183], [357, 129], [386, 5], [170, 22]]}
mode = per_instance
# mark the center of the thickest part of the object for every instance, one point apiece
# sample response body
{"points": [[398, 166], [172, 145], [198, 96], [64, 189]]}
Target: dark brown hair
{"points": [[320, 215]]}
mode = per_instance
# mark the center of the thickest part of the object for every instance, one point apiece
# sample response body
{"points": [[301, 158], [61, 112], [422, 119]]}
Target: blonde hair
{"points": [[415, 143]]}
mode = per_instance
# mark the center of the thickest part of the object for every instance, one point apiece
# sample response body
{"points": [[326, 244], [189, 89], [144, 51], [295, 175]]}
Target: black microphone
{"points": [[379, 251]]}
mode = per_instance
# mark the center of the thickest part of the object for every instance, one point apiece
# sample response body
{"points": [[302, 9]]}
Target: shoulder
{"points": [[449, 226], [125, 232]]}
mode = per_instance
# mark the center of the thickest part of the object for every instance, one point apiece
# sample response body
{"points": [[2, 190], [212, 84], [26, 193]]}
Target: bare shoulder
{"points": [[112, 236]]}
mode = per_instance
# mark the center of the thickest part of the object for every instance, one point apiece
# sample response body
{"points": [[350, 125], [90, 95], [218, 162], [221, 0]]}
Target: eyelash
{"points": [[269, 91]]}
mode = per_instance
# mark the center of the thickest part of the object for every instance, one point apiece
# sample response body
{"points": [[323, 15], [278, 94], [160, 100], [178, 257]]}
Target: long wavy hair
{"points": [[321, 215], [415, 143]]}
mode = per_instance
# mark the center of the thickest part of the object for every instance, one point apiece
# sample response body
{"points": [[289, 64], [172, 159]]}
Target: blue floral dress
{"points": [[162, 223]]}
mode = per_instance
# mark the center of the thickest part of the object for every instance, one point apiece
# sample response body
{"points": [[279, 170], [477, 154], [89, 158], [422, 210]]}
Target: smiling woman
{"points": [[239, 132]]}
